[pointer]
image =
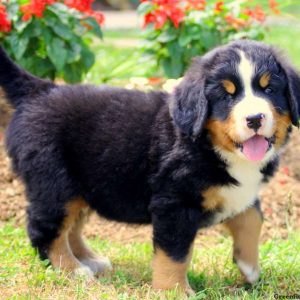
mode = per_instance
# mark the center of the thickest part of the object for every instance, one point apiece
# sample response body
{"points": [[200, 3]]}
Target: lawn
{"points": [[212, 273]]}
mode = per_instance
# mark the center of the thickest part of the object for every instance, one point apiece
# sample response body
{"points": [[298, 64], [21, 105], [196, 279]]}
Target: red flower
{"points": [[248, 12], [149, 18], [158, 17], [80, 5], [219, 6], [236, 23], [85, 6], [5, 24], [34, 8], [176, 16], [259, 14], [274, 6], [97, 15], [195, 4], [164, 10], [166, 2]]}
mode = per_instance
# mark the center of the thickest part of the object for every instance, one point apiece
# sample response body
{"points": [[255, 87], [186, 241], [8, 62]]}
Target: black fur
{"points": [[123, 151], [19, 84]]}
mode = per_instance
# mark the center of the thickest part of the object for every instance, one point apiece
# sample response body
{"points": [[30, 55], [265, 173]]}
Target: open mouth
{"points": [[256, 147]]}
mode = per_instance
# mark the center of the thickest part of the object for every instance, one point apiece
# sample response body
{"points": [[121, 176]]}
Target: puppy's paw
{"points": [[189, 291], [251, 273], [97, 265], [184, 288], [84, 271]]}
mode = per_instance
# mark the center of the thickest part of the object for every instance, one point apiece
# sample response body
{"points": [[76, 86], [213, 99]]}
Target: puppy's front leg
{"points": [[245, 229], [174, 230]]}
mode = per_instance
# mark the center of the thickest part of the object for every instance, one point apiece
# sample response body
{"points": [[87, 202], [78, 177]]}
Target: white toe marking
{"points": [[251, 273], [99, 265], [84, 271]]}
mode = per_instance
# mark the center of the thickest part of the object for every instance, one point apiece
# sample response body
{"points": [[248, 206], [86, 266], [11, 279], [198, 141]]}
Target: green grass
{"points": [[212, 273], [132, 33], [116, 65]]}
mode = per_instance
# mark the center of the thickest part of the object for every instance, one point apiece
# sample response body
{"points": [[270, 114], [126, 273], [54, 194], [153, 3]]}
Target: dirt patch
{"points": [[280, 199]]}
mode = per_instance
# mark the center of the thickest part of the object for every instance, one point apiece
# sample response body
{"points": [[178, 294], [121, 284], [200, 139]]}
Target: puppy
{"points": [[183, 161]]}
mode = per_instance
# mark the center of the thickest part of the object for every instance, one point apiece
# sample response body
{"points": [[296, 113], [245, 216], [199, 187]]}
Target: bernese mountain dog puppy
{"points": [[181, 161]]}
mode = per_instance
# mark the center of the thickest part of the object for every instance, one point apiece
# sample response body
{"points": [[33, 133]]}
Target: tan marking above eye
{"points": [[229, 86], [264, 80]]}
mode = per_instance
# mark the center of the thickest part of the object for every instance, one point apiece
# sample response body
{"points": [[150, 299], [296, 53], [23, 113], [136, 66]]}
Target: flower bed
{"points": [[177, 30], [48, 37]]}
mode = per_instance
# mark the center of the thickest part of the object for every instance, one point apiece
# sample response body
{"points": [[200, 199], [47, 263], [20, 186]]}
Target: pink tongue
{"points": [[255, 148]]}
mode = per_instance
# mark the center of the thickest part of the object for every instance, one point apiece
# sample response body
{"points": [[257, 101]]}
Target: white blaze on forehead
{"points": [[251, 104], [246, 71]]}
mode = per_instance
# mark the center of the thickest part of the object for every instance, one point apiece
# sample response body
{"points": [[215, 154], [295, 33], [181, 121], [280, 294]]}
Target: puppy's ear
{"points": [[189, 106], [293, 94]]}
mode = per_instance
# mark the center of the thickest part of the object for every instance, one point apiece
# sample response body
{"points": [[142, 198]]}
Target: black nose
{"points": [[254, 121]]}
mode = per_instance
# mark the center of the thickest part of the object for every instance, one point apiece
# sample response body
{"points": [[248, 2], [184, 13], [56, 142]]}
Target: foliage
{"points": [[47, 37], [177, 30]]}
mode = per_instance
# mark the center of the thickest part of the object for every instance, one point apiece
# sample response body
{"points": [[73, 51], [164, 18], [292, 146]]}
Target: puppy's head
{"points": [[244, 94]]}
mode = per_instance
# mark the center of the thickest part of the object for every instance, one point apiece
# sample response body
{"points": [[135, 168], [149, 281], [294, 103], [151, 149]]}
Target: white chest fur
{"points": [[238, 198]]}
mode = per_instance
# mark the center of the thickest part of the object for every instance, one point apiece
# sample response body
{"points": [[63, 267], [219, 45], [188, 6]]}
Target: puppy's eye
{"points": [[269, 90], [229, 86], [264, 80]]}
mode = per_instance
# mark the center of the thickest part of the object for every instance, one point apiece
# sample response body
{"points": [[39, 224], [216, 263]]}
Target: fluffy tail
{"points": [[18, 84]]}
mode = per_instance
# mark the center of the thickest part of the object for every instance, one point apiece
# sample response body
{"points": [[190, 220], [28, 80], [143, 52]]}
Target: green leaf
{"points": [[57, 53], [184, 38], [87, 58], [74, 51], [211, 38], [38, 66], [12, 10], [18, 44], [34, 29], [62, 30], [72, 73], [173, 65], [168, 35], [95, 27], [62, 12], [50, 18], [47, 34], [43, 68], [144, 8]]}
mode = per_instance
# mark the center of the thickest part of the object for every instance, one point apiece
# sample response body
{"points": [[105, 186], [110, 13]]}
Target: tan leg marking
{"points": [[169, 274], [60, 253], [245, 229], [81, 250]]}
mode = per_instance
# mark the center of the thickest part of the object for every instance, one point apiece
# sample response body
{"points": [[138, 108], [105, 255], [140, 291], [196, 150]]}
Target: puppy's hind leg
{"points": [[80, 249], [49, 229]]}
